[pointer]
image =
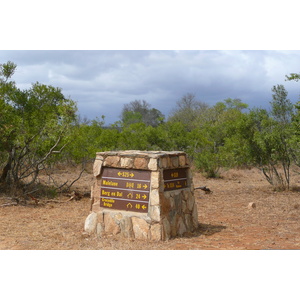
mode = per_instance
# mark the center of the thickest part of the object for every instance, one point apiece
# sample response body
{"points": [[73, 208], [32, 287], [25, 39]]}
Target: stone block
{"points": [[155, 232], [90, 223], [173, 224], [189, 222], [180, 227], [154, 197], [126, 162], [97, 167], [117, 218], [141, 163], [184, 207], [152, 165], [126, 227], [182, 160], [190, 202], [110, 226], [175, 162], [195, 216], [112, 161], [100, 230], [165, 205], [163, 163], [140, 228], [166, 230], [154, 212], [155, 180]]}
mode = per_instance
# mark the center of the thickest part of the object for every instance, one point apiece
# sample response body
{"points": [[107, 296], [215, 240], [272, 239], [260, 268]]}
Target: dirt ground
{"points": [[226, 221]]}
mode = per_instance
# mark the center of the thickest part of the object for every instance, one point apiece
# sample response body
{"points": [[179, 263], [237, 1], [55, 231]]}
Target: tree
{"points": [[270, 139], [35, 125], [188, 111], [140, 111], [89, 138], [296, 123], [216, 138]]}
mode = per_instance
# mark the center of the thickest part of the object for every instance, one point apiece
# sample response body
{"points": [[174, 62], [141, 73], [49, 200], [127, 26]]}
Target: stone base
{"points": [[171, 213], [129, 225]]}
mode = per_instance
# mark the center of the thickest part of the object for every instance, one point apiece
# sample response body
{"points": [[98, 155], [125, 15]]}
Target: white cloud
{"points": [[103, 81]]}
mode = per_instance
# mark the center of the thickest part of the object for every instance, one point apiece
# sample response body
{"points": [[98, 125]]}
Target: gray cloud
{"points": [[103, 81]]}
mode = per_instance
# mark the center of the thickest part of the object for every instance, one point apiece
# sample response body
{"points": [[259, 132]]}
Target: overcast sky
{"points": [[101, 82]]}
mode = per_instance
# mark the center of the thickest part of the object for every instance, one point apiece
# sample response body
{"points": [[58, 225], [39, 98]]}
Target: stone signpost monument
{"points": [[142, 195]]}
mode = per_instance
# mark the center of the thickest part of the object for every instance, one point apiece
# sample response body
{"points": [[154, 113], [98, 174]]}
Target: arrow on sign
{"points": [[144, 207], [131, 175], [144, 196], [145, 186]]}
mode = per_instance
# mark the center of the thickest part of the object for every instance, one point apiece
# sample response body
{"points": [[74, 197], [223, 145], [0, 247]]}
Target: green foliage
{"points": [[216, 142], [87, 139], [140, 111], [271, 139], [35, 124], [39, 126], [188, 111]]}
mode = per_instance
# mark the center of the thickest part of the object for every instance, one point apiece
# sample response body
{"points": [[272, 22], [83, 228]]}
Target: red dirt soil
{"points": [[226, 221]]}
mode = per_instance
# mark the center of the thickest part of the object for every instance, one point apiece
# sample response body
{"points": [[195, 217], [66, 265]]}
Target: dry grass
{"points": [[225, 220]]}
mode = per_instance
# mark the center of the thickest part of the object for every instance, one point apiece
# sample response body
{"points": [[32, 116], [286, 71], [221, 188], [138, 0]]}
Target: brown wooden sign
{"points": [[125, 189], [175, 179]]}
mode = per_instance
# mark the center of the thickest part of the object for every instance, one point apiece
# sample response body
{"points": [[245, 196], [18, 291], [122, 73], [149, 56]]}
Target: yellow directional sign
{"points": [[125, 189]]}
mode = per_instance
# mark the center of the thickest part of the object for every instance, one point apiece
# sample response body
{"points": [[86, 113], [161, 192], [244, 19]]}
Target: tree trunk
{"points": [[5, 172]]}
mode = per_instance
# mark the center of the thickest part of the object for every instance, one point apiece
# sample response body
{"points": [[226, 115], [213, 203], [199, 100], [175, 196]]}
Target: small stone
{"points": [[85, 234], [252, 205], [90, 223]]}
